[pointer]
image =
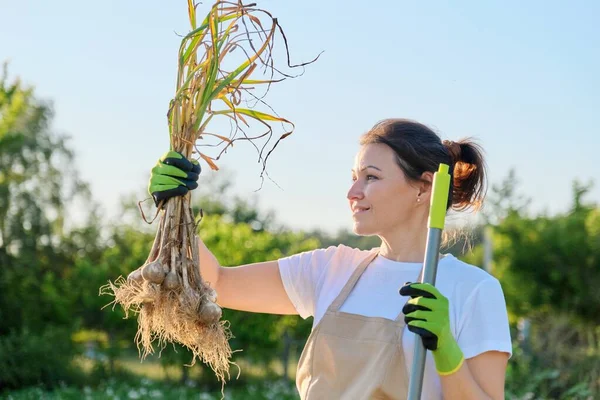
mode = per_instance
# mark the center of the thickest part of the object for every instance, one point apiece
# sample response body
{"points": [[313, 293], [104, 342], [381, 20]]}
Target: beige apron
{"points": [[353, 357]]}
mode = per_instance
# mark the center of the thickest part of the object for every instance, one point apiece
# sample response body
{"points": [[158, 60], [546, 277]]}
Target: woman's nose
{"points": [[355, 192]]}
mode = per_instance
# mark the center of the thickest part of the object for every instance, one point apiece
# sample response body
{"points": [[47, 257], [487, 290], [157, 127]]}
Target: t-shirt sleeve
{"points": [[301, 274], [484, 323]]}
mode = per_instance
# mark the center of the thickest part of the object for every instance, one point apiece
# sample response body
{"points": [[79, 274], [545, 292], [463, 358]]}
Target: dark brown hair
{"points": [[419, 149]]}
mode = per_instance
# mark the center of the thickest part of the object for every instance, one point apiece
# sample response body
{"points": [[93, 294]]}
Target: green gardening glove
{"points": [[427, 315], [173, 175]]}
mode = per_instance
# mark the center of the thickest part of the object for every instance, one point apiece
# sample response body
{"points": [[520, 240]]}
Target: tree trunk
{"points": [[285, 356], [111, 352], [185, 374]]}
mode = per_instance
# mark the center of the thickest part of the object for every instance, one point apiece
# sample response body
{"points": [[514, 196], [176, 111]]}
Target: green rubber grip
{"points": [[439, 198]]}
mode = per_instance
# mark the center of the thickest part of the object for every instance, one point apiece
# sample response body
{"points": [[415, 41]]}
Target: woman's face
{"points": [[381, 198]]}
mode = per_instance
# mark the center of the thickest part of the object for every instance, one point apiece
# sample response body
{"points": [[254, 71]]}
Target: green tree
{"points": [[38, 186], [125, 250], [35, 193], [549, 267], [552, 262]]}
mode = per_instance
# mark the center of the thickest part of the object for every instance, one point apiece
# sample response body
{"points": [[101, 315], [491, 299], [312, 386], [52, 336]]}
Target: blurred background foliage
{"points": [[57, 340]]}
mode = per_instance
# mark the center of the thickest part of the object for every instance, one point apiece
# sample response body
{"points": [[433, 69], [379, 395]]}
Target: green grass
{"points": [[151, 380], [151, 368], [148, 389]]}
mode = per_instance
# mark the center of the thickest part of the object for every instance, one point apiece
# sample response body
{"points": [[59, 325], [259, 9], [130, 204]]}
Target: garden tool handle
{"points": [[435, 224]]}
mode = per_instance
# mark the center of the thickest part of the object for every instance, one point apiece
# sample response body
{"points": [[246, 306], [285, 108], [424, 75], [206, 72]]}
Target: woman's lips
{"points": [[360, 210]]}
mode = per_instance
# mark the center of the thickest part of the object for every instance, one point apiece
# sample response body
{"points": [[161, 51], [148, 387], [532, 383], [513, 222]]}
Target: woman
{"points": [[361, 345]]}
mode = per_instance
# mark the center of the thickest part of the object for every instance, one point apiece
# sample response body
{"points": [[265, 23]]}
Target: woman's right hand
{"points": [[254, 287], [173, 175]]}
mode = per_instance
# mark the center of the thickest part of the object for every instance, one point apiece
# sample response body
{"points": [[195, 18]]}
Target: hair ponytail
{"points": [[468, 174]]}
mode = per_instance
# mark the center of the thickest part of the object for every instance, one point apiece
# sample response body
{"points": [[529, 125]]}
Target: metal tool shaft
{"points": [[432, 255]]}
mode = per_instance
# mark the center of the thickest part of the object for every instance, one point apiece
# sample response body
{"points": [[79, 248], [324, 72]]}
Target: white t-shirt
{"points": [[478, 316]]}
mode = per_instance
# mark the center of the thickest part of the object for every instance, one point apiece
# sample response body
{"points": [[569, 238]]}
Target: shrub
{"points": [[37, 358]]}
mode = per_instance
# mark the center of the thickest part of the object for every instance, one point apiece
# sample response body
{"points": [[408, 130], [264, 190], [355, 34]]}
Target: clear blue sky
{"points": [[523, 77]]}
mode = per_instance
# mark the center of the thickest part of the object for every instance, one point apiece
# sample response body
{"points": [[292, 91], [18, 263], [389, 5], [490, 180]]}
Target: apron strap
{"points": [[337, 303]]}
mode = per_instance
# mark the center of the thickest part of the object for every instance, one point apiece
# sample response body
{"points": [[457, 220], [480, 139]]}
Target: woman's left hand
{"points": [[427, 314]]}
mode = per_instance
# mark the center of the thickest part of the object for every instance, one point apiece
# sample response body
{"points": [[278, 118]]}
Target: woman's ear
{"points": [[424, 187]]}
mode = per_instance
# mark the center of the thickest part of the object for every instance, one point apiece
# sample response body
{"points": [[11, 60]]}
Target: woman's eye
{"points": [[367, 177]]}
